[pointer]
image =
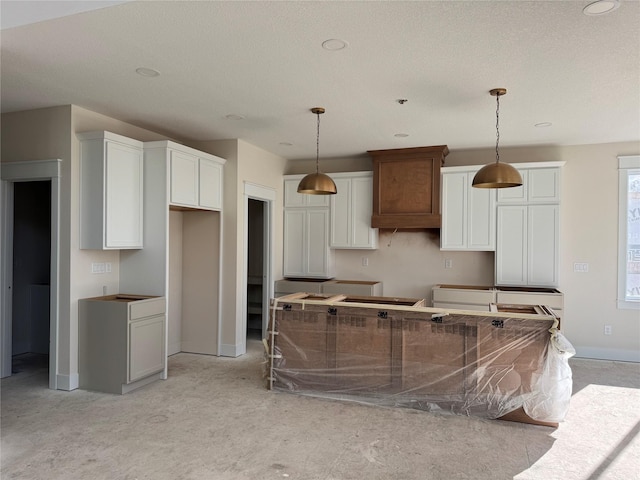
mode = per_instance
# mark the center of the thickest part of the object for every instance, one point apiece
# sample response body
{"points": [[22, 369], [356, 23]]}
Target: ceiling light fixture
{"points": [[147, 72], [497, 175], [543, 124], [601, 7], [317, 183], [334, 44]]}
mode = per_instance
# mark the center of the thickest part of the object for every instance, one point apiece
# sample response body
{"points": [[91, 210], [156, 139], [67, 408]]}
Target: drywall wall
{"points": [[245, 163], [413, 262]]}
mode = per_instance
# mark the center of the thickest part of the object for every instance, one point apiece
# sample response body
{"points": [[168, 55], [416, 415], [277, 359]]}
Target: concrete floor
{"points": [[213, 419]]}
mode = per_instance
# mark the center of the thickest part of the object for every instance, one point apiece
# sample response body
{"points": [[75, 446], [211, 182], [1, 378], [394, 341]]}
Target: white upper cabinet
{"points": [[351, 210], [195, 177], [294, 199], [468, 214], [111, 191], [540, 184]]}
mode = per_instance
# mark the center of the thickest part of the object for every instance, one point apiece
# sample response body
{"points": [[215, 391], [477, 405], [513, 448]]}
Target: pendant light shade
{"points": [[497, 175], [317, 183]]}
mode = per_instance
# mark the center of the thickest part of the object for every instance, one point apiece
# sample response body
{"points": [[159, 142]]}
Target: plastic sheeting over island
{"points": [[398, 353]]}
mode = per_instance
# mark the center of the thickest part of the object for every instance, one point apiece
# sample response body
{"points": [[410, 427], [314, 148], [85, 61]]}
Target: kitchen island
{"points": [[396, 352]]}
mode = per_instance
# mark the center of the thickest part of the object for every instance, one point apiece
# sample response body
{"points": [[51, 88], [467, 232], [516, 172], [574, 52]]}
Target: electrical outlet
{"points": [[365, 261], [107, 267], [448, 263], [608, 330], [581, 267]]}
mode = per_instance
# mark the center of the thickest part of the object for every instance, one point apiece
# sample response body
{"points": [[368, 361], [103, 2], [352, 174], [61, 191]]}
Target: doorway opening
{"points": [[30, 324], [255, 267], [24, 189]]}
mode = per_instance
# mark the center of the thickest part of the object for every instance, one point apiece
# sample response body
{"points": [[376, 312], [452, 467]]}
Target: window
{"points": [[629, 233]]}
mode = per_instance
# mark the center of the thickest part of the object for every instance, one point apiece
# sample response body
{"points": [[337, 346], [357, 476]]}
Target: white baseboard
{"points": [[229, 350], [608, 354], [68, 382]]}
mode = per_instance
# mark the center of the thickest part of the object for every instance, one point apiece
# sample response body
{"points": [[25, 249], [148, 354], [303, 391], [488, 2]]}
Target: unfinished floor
{"points": [[213, 419]]}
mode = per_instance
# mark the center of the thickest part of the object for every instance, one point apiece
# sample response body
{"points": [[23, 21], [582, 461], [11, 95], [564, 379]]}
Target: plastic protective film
{"points": [[483, 364]]}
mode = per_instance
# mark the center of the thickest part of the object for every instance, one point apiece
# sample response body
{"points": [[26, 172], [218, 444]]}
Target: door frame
{"points": [[268, 196], [29, 171]]}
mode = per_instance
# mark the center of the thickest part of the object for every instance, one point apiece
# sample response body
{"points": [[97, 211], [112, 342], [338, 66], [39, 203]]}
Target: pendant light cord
{"points": [[318, 144], [497, 126]]}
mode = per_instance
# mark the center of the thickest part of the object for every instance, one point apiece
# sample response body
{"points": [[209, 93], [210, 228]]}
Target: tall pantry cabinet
{"points": [[181, 259], [306, 233], [528, 228]]}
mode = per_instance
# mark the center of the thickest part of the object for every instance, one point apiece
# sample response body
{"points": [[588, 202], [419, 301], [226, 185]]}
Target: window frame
{"points": [[627, 165]]}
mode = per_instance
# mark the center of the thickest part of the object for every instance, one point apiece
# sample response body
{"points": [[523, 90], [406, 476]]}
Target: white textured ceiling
{"points": [[264, 60]]}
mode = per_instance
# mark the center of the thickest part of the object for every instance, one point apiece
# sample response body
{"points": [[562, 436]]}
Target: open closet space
{"points": [[194, 263]]}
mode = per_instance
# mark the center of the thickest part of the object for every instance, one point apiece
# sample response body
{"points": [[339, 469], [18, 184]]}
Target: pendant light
{"points": [[317, 183], [497, 175]]}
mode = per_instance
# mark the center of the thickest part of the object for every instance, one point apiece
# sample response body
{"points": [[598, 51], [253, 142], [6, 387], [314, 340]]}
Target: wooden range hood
{"points": [[406, 187]]}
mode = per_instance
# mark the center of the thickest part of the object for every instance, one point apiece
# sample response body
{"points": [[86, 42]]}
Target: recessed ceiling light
{"points": [[234, 116], [401, 135], [147, 72], [334, 44], [543, 124], [286, 144], [601, 7]]}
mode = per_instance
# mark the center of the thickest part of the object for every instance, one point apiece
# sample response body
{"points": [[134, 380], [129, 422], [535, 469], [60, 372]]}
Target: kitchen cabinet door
{"points": [[511, 251], [210, 184], [527, 245], [542, 234], [468, 214], [146, 347], [306, 243], [184, 179], [294, 242], [351, 211]]}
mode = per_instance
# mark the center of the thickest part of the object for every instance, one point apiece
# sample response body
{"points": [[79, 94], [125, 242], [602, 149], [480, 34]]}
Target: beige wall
{"points": [[245, 163], [409, 263]]}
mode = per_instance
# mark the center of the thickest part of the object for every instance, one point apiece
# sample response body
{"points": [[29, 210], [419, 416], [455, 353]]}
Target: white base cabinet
{"points": [[121, 342], [111, 191], [469, 297]]}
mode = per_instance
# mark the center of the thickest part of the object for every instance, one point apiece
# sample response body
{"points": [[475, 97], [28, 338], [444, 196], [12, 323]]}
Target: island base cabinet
{"points": [[387, 353]]}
